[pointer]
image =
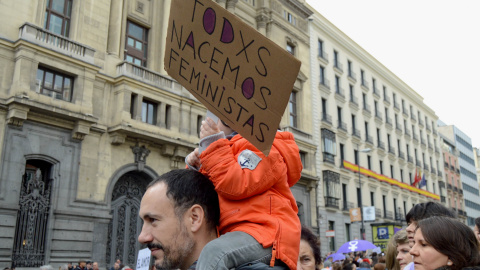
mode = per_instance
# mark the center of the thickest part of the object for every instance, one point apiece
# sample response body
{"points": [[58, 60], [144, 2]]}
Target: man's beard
{"points": [[174, 257]]}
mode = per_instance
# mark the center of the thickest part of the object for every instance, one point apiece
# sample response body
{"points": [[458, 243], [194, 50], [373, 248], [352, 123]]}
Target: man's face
{"points": [[82, 264], [89, 266], [116, 266], [95, 266], [411, 232], [165, 235]]}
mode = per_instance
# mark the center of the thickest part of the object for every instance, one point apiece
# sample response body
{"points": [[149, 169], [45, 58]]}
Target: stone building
{"points": [[88, 117], [364, 114]]}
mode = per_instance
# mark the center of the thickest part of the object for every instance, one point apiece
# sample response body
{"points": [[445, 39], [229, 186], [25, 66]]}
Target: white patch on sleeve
{"points": [[248, 160]]}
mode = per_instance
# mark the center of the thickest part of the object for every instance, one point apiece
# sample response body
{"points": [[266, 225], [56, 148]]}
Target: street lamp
{"points": [[366, 150]]}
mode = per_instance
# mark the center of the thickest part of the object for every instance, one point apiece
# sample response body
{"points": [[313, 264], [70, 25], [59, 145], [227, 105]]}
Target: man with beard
{"points": [[180, 215]]}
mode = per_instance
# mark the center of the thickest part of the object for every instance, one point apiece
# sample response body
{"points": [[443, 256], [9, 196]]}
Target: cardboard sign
{"points": [[355, 214], [237, 73], [143, 259]]}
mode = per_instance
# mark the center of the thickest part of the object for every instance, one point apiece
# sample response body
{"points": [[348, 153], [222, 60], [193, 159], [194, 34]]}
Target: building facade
{"points": [[454, 197], [88, 117], [366, 115], [468, 171]]}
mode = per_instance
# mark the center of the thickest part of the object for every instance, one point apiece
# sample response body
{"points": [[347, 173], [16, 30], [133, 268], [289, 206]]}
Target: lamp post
{"points": [[367, 150]]}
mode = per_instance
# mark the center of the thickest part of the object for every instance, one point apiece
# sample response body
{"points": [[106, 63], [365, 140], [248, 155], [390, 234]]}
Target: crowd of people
{"points": [[232, 208]]}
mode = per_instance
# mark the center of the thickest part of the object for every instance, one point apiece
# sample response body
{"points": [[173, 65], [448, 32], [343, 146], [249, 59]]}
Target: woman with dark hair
{"points": [[309, 257], [446, 243], [476, 229]]}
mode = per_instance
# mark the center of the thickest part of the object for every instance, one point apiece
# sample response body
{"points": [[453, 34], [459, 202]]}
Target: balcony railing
{"points": [[378, 212], [352, 75], [325, 83], [331, 202], [356, 133], [401, 155], [388, 214], [366, 108], [369, 139], [410, 159], [342, 126], [338, 66], [365, 84], [327, 118], [143, 74], [58, 43], [381, 145], [354, 100], [418, 163], [443, 199], [347, 206], [324, 56], [391, 150], [396, 105], [379, 115]]}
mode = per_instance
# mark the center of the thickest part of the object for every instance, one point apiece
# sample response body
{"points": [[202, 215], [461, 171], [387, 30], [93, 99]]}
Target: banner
{"points": [[369, 213], [237, 73], [143, 259], [355, 214]]}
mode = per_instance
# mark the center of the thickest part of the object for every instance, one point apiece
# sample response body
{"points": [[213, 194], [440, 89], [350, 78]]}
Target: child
{"points": [[258, 213]]}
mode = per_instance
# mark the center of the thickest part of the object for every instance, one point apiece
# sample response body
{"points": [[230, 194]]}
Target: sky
{"points": [[431, 45]]}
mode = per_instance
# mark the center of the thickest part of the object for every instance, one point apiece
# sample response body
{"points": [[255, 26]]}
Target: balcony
{"points": [[396, 105], [354, 100], [347, 206], [323, 56], [449, 186], [410, 159], [339, 92], [420, 123], [422, 141], [338, 66], [388, 215], [375, 92], [443, 199], [405, 111], [378, 212], [439, 173], [147, 76], [386, 99], [437, 150], [325, 85], [369, 139], [352, 76], [418, 163], [401, 155], [413, 117], [365, 85], [326, 118], [388, 121], [356, 133], [391, 150], [415, 138], [366, 109], [428, 127], [407, 133], [381, 145], [57, 43], [378, 115], [441, 184], [332, 202], [426, 167], [399, 216], [432, 170], [398, 128], [342, 126]]}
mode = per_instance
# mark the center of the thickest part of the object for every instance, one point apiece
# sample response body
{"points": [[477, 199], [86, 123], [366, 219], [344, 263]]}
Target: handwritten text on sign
{"points": [[237, 73]]}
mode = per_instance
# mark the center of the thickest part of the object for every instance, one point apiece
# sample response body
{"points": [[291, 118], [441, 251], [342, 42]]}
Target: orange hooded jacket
{"points": [[258, 200]]}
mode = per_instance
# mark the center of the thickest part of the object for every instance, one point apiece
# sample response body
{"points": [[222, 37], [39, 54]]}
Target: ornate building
{"points": [[89, 117], [374, 133]]}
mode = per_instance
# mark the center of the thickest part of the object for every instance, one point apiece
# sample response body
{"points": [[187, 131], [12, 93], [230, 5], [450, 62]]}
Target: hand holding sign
{"points": [[237, 73]]}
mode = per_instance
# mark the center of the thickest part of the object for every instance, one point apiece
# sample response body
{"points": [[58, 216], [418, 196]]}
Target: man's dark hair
{"points": [[424, 210], [441, 232], [477, 222], [364, 265], [348, 266], [189, 187], [314, 243]]}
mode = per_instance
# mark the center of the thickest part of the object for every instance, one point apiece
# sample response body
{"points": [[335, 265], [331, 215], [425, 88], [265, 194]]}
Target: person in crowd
{"points": [[446, 243], [398, 251], [95, 266], [180, 214], [328, 262], [364, 266], [425, 210], [309, 257], [46, 267], [349, 266], [82, 265], [70, 266], [337, 266], [245, 180], [374, 258], [89, 265], [116, 266], [476, 229], [379, 266]]}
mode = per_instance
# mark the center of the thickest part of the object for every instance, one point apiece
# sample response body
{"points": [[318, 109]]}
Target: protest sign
{"points": [[143, 259], [237, 73]]}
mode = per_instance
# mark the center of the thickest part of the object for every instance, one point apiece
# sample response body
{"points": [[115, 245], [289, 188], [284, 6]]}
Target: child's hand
{"points": [[209, 127], [193, 159]]}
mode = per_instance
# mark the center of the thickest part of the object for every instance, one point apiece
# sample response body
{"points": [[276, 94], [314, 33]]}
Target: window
{"points": [[347, 232], [362, 76], [293, 109], [320, 48], [335, 59], [350, 71], [352, 96], [366, 130], [303, 158], [359, 195], [329, 145], [149, 112], [339, 115], [324, 108], [57, 16], [353, 123], [133, 102], [355, 156], [342, 154], [136, 44], [344, 196], [291, 48], [381, 167], [337, 85], [331, 240], [369, 162], [54, 84], [391, 172], [384, 198], [168, 112], [322, 75], [372, 198]]}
